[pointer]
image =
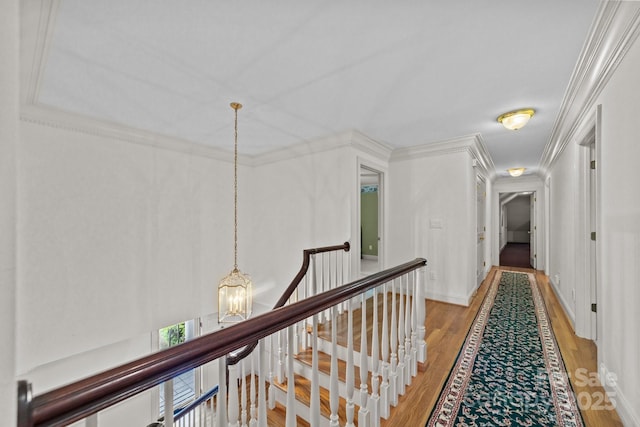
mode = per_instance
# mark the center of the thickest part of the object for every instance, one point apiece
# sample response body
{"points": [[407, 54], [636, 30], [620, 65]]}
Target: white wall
{"points": [[518, 219], [432, 215], [619, 233], [296, 204], [503, 226], [116, 239], [619, 293], [563, 200], [9, 136]]}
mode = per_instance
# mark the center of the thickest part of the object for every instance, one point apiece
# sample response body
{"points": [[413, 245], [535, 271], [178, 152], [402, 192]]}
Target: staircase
{"points": [[288, 367]]}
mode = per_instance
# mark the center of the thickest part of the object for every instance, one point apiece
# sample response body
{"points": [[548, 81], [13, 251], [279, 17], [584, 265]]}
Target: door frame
{"points": [[481, 243], [588, 270], [518, 185], [382, 171]]}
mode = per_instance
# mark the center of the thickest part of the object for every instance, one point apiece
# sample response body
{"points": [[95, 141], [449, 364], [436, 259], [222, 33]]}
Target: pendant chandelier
{"points": [[235, 299]]}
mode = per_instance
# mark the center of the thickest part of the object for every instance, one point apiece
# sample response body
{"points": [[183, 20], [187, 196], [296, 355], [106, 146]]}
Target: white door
{"points": [[481, 229]]}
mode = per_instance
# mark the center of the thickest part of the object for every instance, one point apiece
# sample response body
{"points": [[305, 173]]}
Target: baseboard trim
{"points": [[450, 299], [626, 412], [565, 306]]}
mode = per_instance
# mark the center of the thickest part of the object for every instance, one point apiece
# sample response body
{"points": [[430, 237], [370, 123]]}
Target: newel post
{"points": [[421, 281], [24, 404]]}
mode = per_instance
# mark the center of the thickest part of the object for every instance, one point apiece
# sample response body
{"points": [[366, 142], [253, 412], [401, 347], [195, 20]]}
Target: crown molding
{"points": [[304, 148], [351, 138], [438, 148], [471, 144], [52, 117], [59, 119], [615, 28], [377, 149], [483, 159], [40, 16]]}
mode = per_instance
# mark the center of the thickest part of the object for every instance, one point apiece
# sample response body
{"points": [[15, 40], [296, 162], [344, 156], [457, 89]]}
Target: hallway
{"points": [[447, 326], [515, 255]]}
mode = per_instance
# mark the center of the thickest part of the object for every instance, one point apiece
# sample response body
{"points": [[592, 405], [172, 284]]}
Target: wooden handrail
{"points": [[82, 398], [233, 359]]}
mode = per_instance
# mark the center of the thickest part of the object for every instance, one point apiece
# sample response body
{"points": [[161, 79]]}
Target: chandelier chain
{"points": [[235, 194]]}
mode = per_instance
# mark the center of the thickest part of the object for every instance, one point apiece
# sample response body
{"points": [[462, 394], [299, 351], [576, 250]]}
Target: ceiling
{"points": [[403, 73]]}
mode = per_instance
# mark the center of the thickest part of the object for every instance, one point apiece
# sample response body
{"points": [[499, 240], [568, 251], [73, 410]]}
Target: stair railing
{"points": [[83, 398]]}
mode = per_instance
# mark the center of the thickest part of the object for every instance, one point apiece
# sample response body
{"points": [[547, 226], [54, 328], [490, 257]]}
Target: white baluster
{"points": [[363, 413], [421, 345], [334, 397], [272, 362], [291, 386], [350, 380], [262, 371], [340, 278], [296, 331], [243, 397], [314, 410], [414, 326], [214, 410], [401, 378], [320, 287], [168, 403], [253, 416], [281, 357], [384, 387], [393, 376], [375, 358], [91, 421], [407, 334], [222, 393], [302, 325], [233, 410]]}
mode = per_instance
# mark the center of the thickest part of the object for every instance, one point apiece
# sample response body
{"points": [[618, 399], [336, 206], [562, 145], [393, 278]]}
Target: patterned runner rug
{"points": [[509, 370]]}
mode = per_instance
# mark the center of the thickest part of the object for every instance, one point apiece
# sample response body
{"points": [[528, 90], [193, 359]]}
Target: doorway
{"points": [[371, 202], [517, 229]]}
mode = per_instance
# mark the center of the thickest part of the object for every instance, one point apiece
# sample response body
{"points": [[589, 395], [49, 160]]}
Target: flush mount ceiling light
{"points": [[516, 171], [514, 120]]}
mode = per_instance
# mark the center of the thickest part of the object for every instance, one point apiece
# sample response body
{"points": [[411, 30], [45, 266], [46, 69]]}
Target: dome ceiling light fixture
{"points": [[514, 120], [516, 171]]}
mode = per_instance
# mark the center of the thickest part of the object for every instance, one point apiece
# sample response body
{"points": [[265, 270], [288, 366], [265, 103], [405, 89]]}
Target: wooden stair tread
{"points": [[303, 395], [277, 417], [324, 329], [324, 366]]}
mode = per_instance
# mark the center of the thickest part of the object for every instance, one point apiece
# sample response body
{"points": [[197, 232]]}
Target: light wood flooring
{"points": [[447, 326]]}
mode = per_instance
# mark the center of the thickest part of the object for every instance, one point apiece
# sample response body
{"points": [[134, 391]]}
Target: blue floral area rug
{"points": [[509, 371]]}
